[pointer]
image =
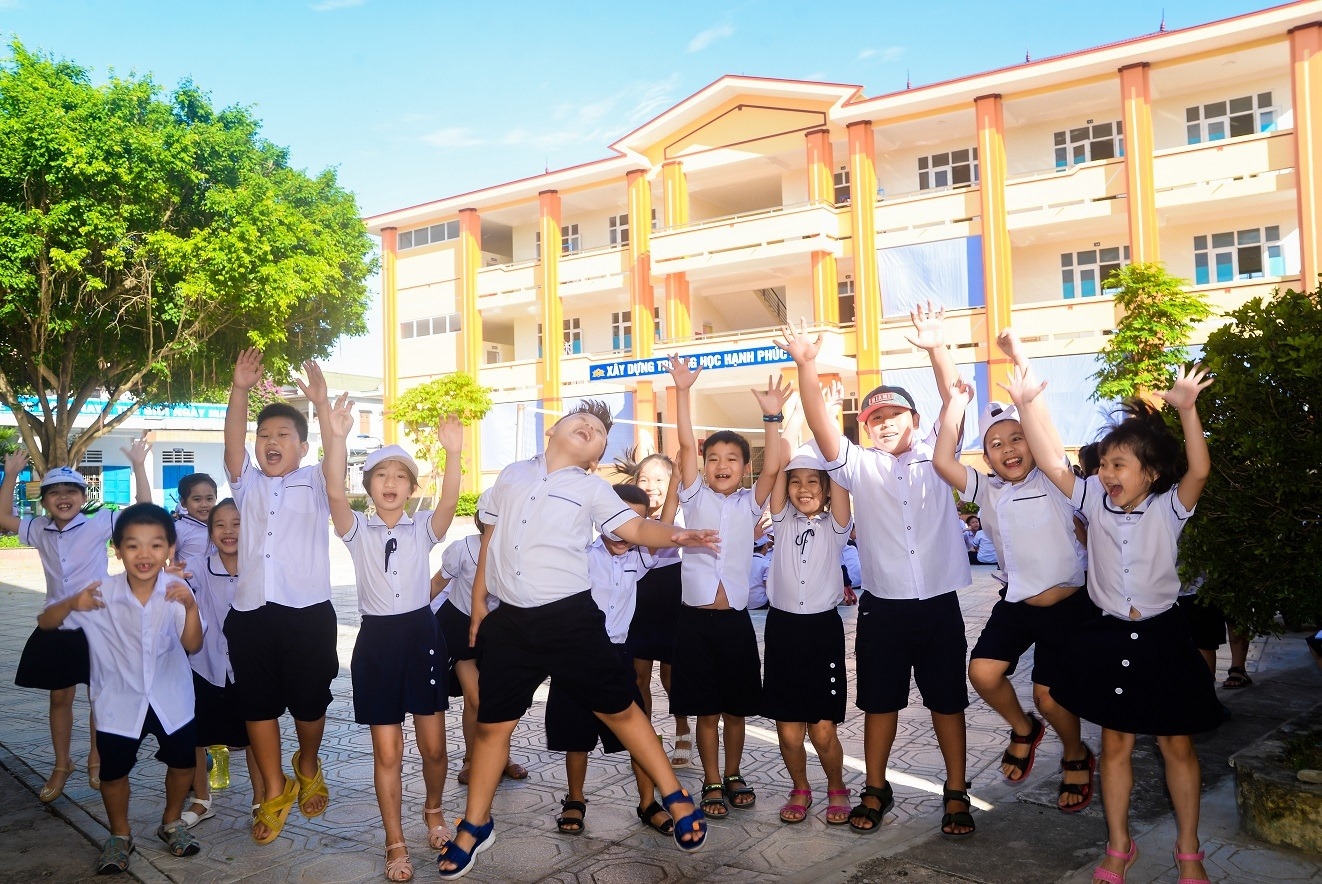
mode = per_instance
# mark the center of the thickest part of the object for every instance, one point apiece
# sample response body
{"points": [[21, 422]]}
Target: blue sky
{"points": [[412, 100]]}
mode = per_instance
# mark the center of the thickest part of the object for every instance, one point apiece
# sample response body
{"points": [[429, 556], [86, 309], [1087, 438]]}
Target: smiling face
{"points": [[654, 478], [390, 486], [145, 550], [63, 502], [579, 437], [620, 547], [891, 428], [1126, 481], [724, 467], [279, 449], [225, 530], [806, 491], [1005, 450], [201, 498]]}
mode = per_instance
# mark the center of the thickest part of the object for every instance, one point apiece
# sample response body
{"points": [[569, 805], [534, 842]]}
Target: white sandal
{"points": [[191, 819], [682, 754]]}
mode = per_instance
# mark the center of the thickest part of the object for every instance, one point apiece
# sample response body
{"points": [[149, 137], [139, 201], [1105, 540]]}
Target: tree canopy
{"points": [[147, 237], [420, 409]]}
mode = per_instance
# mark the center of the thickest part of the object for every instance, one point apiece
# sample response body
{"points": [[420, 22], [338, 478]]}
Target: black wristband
{"points": [[776, 418]]}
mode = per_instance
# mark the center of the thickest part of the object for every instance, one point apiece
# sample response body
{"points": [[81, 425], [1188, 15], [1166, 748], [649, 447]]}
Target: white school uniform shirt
{"points": [[284, 547], [1131, 556], [909, 541], [805, 571], [459, 566], [734, 517], [137, 659], [757, 580], [1031, 526], [192, 541], [615, 585], [542, 525], [214, 588], [73, 556], [391, 564]]}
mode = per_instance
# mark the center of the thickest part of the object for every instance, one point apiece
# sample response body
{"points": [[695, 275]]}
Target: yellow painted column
{"points": [[1140, 191], [997, 282], [470, 318], [679, 307], [641, 299], [863, 223], [552, 312], [1306, 90], [390, 331], [821, 189]]}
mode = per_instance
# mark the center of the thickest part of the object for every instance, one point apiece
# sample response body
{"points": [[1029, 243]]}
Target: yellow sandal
{"points": [[310, 787], [274, 812]]}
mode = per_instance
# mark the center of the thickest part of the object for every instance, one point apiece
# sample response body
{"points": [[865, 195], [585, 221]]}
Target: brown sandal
{"points": [[401, 867]]}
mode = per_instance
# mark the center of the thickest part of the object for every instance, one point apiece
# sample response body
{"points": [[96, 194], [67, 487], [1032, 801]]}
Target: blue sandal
{"points": [[687, 825], [463, 859], [115, 855]]}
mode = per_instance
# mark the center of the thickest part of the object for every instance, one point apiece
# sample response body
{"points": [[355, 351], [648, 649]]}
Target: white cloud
{"points": [[332, 5], [885, 55], [710, 36], [452, 137]]}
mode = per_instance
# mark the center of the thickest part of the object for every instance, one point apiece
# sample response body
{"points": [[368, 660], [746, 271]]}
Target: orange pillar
{"points": [[1306, 89], [863, 224], [390, 332], [470, 318], [641, 300], [1140, 193], [679, 307], [552, 312], [821, 189], [998, 285]]}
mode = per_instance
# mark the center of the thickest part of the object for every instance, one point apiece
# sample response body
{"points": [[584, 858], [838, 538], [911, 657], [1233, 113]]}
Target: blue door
{"points": [[115, 484], [170, 476]]}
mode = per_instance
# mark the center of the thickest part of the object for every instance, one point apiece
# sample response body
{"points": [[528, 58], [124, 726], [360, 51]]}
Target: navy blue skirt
{"points": [[398, 668], [804, 676], [652, 629], [54, 659]]}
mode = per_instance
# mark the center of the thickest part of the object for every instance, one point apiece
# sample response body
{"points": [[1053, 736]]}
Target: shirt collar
{"points": [[375, 521], [73, 523], [1136, 511]]}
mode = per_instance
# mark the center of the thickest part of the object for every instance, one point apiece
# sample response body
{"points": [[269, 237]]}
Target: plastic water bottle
{"points": [[219, 777]]}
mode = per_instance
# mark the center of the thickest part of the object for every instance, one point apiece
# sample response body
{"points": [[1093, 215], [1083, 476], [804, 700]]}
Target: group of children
{"points": [[591, 593]]}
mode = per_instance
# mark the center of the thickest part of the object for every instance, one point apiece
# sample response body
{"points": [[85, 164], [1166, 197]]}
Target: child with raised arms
{"points": [[1143, 674], [141, 626], [399, 659]]}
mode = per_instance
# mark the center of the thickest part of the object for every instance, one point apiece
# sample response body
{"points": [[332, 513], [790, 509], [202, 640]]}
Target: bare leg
{"points": [[466, 672], [309, 747], [93, 754], [387, 761], [878, 737], [635, 731], [269, 775], [1117, 784], [177, 782], [826, 740], [1066, 725], [115, 797], [790, 735], [576, 774], [1184, 781], [951, 739], [1239, 645], [709, 751], [254, 777], [429, 731], [646, 791], [734, 753], [681, 721], [201, 783], [988, 678], [487, 755], [61, 735]]}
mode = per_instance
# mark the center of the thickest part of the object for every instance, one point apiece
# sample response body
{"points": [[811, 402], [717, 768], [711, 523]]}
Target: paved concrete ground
{"points": [[1020, 838]]}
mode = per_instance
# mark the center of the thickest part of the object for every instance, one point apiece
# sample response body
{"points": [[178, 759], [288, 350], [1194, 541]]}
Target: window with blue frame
{"points": [[1083, 144], [622, 330], [1253, 253], [1083, 274], [1232, 118]]}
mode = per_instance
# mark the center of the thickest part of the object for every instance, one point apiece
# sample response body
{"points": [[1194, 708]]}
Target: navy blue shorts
{"points": [[572, 727], [216, 719], [119, 754], [399, 668], [1207, 622], [283, 658], [1014, 627], [903, 639], [716, 669]]}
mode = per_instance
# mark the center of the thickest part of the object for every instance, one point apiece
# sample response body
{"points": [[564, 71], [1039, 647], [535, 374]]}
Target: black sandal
{"points": [[734, 792], [1236, 677], [569, 825], [959, 817], [646, 814], [709, 805], [1025, 764], [872, 815], [1084, 790]]}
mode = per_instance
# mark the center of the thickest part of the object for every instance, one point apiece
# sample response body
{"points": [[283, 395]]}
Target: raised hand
{"points": [[340, 416], [15, 462], [801, 348], [89, 599], [248, 369], [1024, 386], [697, 537], [315, 388], [179, 568], [450, 433], [929, 326], [1009, 344], [773, 398], [680, 371], [137, 451], [961, 394], [1188, 384], [833, 394], [181, 593]]}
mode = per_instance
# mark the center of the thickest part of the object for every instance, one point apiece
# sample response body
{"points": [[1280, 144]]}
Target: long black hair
{"points": [[1142, 430]]}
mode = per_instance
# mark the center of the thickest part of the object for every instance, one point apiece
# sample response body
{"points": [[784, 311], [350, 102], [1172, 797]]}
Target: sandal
{"points": [[833, 809], [515, 771], [1084, 790], [273, 813], [571, 825], [1109, 877], [716, 808], [1236, 677], [1024, 765], [465, 771], [463, 859], [682, 755], [436, 835], [687, 825], [50, 792], [647, 815], [192, 818], [796, 813], [115, 855], [1190, 858], [178, 840], [734, 792], [310, 787], [94, 775], [885, 794], [401, 867], [959, 817]]}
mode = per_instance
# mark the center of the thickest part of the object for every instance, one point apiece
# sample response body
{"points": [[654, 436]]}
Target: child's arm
{"points": [[646, 532], [944, 457], [479, 608], [247, 372], [191, 637], [450, 433], [840, 504], [336, 422], [1183, 397], [929, 324], [804, 353], [438, 583], [1009, 344], [15, 461], [688, 443], [137, 454], [670, 505], [772, 400], [87, 600], [1042, 438]]}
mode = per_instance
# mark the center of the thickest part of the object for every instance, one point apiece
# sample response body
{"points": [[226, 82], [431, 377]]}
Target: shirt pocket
{"points": [[300, 498], [559, 513]]}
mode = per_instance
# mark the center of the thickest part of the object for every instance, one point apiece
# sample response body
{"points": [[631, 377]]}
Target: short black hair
{"points": [[598, 409], [191, 481], [1143, 431], [632, 494], [284, 409], [729, 437], [211, 518], [1089, 461], [143, 514]]}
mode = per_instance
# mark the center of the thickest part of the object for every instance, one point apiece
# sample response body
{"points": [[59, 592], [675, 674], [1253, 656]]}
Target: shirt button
{"points": [[433, 681], [268, 533], [1124, 541], [1133, 635], [1119, 690], [1124, 662], [832, 665], [433, 653], [273, 512], [832, 681], [833, 693], [910, 552]]}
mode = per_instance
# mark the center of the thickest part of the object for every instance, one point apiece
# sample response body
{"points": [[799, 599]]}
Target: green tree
{"points": [[1150, 339], [144, 239], [420, 409], [1257, 537]]}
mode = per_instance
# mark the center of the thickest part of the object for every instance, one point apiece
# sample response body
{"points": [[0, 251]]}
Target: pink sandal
{"points": [[833, 808], [1190, 858], [1110, 877], [796, 813]]}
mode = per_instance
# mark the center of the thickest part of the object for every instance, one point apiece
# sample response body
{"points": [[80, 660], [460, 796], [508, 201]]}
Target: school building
{"points": [[1007, 196]]}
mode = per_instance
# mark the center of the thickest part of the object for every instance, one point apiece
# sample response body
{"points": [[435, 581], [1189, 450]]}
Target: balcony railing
{"points": [[1221, 169], [1088, 190], [783, 230]]}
